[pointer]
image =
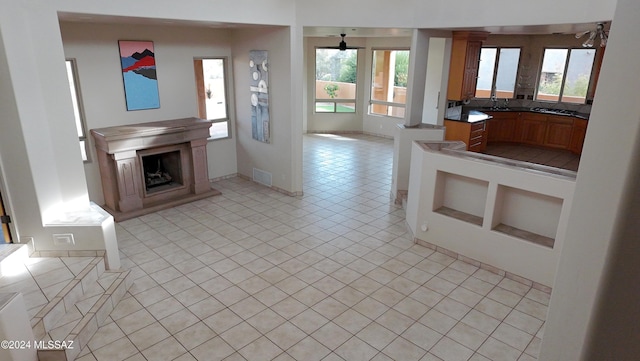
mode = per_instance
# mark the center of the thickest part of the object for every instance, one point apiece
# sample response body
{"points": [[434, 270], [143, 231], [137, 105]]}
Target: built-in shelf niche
{"points": [[530, 216], [460, 197]]}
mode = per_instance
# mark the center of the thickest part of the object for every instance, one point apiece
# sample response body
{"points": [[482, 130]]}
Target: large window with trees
{"points": [[497, 72], [336, 74], [389, 82], [565, 75]]}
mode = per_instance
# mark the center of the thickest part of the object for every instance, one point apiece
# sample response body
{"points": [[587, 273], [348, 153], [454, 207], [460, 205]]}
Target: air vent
{"points": [[262, 177]]}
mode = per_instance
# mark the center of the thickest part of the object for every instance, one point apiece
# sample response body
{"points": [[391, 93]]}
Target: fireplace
{"points": [[151, 166], [162, 171]]}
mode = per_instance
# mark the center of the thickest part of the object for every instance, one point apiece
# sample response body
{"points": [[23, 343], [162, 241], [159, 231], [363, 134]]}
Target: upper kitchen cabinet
{"points": [[463, 68]]}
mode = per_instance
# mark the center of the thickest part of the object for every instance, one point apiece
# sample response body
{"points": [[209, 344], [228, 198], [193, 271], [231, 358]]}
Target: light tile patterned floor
{"points": [[333, 275]]}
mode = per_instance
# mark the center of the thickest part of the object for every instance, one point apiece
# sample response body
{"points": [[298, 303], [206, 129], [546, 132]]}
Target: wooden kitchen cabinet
{"points": [[472, 134], [579, 130], [533, 128], [558, 132], [502, 127], [463, 67], [552, 131]]}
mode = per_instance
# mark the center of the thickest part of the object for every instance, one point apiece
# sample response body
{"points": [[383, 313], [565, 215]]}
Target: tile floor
{"points": [[333, 275], [551, 157]]}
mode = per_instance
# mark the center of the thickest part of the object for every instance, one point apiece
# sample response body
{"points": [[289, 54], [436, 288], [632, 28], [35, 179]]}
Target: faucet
{"points": [[506, 103], [494, 100]]}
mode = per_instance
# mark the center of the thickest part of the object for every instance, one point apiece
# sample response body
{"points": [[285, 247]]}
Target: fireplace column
{"points": [[128, 175], [200, 166]]}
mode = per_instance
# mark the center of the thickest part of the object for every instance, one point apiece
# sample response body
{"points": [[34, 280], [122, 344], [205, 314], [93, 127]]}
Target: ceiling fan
{"points": [[343, 45]]}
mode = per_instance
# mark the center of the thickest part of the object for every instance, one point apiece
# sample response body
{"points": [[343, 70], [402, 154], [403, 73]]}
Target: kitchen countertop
{"points": [[471, 116], [564, 113]]}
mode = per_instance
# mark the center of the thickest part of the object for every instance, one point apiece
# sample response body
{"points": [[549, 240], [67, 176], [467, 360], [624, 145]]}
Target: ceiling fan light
{"points": [[593, 34], [579, 35], [343, 45]]}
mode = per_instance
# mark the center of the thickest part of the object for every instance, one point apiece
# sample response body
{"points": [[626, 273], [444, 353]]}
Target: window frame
{"points": [[77, 94], [335, 101], [372, 101], [496, 65], [200, 94], [564, 74]]}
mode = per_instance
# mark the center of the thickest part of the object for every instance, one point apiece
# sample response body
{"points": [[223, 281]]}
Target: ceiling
{"points": [[320, 31], [110, 19], [506, 30]]}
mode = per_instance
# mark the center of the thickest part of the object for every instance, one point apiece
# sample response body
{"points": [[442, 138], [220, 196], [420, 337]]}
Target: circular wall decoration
{"points": [[256, 75], [251, 64], [264, 65]]}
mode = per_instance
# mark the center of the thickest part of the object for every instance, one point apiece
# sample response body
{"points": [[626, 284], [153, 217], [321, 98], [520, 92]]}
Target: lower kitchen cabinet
{"points": [[503, 127], [552, 131], [577, 135], [558, 132], [533, 128], [472, 134]]}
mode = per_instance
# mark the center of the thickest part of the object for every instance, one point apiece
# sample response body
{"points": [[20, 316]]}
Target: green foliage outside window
{"points": [[401, 69], [348, 73], [332, 90]]}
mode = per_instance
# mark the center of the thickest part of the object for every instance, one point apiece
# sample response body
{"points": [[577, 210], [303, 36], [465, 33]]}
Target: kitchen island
{"points": [[468, 126]]}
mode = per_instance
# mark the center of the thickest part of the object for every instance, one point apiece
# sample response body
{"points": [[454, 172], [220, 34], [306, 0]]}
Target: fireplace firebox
{"points": [[162, 171], [151, 166]]}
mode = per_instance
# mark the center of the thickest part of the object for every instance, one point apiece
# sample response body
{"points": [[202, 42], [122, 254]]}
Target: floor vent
{"points": [[262, 177]]}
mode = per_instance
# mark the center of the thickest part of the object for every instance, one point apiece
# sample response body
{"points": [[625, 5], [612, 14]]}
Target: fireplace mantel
{"points": [[121, 150], [153, 134]]}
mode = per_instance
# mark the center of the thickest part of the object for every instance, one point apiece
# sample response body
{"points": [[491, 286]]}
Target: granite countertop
{"points": [[471, 116], [564, 113]]}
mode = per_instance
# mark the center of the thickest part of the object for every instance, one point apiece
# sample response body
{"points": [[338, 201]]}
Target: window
{"points": [[565, 75], [497, 72], [77, 108], [336, 74], [212, 95], [389, 82]]}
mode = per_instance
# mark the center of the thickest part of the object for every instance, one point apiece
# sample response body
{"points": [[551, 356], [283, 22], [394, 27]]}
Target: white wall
{"points": [[42, 168], [434, 96], [16, 176], [593, 313], [276, 157], [95, 49]]}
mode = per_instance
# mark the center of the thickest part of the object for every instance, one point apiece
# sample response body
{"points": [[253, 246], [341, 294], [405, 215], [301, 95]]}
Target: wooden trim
{"points": [[202, 107], [595, 75], [5, 227]]}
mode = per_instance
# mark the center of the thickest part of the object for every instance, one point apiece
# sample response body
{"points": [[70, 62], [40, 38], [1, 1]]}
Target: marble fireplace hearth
{"points": [[152, 166]]}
